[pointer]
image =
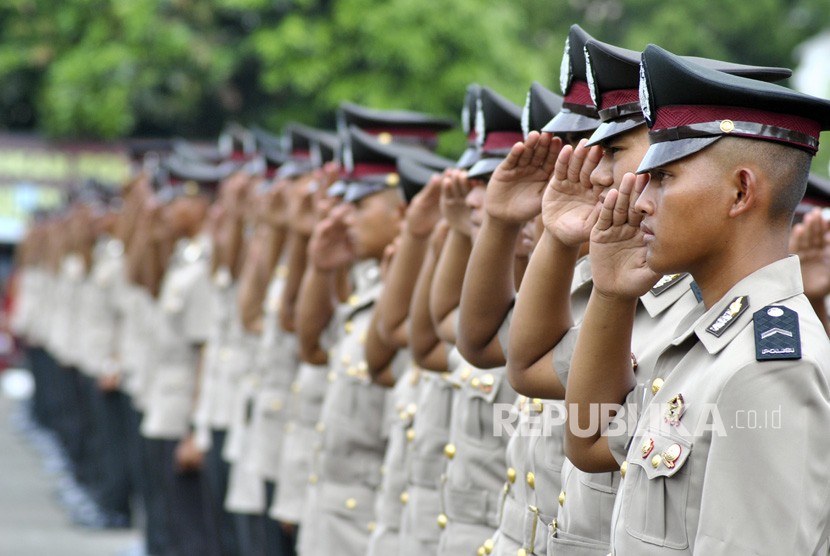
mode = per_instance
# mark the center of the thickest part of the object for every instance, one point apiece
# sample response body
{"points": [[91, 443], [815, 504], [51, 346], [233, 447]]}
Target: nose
{"points": [[602, 176], [645, 201], [475, 197]]}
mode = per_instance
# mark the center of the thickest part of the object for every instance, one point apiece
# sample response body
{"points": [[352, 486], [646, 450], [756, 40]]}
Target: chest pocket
{"points": [[477, 411], [656, 488]]}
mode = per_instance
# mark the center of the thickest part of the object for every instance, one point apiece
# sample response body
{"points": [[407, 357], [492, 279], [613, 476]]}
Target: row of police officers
{"points": [[588, 334]]}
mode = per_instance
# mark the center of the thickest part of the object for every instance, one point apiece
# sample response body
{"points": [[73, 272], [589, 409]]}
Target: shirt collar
{"points": [[770, 284]]}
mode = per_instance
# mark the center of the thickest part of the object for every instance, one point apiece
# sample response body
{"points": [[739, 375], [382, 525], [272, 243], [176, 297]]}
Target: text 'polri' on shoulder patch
{"points": [[729, 315], [777, 335]]}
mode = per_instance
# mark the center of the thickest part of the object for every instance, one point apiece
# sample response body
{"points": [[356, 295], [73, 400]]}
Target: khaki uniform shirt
{"points": [[476, 466], [422, 520], [392, 496], [300, 444], [535, 451], [99, 315], [586, 500], [354, 427], [184, 302], [728, 435]]}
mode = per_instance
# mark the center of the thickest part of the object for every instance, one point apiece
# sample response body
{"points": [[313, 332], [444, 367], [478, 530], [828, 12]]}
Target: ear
{"points": [[745, 191]]}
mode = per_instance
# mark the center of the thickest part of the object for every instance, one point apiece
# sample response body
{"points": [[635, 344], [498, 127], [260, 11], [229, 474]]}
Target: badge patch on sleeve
{"points": [[777, 334]]}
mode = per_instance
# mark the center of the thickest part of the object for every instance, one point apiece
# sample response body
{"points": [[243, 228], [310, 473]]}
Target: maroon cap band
{"points": [[501, 140], [680, 122], [363, 169], [579, 99]]}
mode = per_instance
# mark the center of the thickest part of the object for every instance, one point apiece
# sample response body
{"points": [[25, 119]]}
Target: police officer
{"points": [[741, 150]]}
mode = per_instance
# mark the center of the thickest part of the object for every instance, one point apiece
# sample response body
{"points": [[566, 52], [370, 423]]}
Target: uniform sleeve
{"points": [[198, 311], [563, 353], [766, 485], [504, 331]]}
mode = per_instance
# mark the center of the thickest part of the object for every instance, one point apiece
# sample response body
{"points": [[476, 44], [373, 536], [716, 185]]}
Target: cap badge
{"points": [[392, 179], [727, 126], [589, 75], [384, 138], [480, 128], [675, 408], [645, 100], [565, 70]]}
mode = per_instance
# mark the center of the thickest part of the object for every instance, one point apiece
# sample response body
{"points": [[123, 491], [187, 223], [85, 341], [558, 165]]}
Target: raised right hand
{"points": [[569, 206]]}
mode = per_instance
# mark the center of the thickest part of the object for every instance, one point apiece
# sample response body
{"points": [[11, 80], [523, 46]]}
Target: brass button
{"points": [[411, 408], [531, 479], [465, 373], [320, 427], [371, 526], [442, 520], [656, 385], [295, 387], [404, 497], [351, 371], [511, 474], [655, 461], [623, 469], [410, 434], [353, 300], [476, 382], [346, 359], [332, 376], [727, 126], [562, 498], [312, 479], [488, 546], [351, 504], [488, 380], [480, 551], [521, 552], [348, 327], [449, 450]]}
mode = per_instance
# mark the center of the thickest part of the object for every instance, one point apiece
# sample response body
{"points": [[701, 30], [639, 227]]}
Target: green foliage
{"points": [[111, 68]]}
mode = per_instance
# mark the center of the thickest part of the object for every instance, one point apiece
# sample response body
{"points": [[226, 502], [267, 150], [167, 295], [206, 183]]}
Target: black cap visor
{"points": [[666, 152]]}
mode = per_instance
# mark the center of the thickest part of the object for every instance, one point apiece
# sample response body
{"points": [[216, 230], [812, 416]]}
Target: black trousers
{"points": [[112, 422], [157, 533], [216, 472], [191, 533]]}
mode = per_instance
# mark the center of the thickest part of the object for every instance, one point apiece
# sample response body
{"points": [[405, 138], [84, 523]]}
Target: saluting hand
{"points": [[569, 203], [330, 247], [454, 209], [514, 193], [810, 240], [618, 250], [424, 212]]}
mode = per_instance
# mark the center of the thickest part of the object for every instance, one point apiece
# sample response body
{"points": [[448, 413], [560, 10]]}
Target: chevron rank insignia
{"points": [[777, 334], [736, 307], [666, 282]]}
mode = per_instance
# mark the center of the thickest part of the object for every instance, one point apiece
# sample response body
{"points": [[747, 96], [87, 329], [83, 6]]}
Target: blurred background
{"points": [[78, 77]]}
